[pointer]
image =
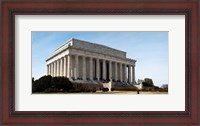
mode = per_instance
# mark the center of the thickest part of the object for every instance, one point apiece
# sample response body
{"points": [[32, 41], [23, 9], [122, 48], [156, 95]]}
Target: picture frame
{"points": [[11, 8]]}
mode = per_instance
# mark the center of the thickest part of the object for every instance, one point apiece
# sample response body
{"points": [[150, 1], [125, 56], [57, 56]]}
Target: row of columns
{"points": [[68, 68]]}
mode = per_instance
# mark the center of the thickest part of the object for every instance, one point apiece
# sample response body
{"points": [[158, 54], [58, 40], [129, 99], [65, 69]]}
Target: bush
{"points": [[61, 83], [105, 89], [163, 90], [41, 84], [100, 86], [94, 89], [51, 90], [54, 84], [78, 87]]}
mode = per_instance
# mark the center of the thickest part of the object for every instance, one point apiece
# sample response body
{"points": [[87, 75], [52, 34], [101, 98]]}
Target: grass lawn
{"points": [[109, 92]]}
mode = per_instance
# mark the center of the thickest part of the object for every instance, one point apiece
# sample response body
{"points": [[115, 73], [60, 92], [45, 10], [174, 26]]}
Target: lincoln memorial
{"points": [[86, 61]]}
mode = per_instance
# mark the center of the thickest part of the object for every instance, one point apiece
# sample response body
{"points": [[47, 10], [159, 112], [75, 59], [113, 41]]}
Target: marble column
{"points": [[116, 71], [129, 73], [84, 68], [110, 70], [104, 69], [133, 74], [64, 66], [120, 72], [97, 69], [58, 68], [76, 67], [61, 67], [47, 69], [91, 69], [68, 66], [54, 67], [125, 73]]}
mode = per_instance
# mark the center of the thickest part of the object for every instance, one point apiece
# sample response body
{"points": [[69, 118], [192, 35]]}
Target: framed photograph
{"points": [[100, 63]]}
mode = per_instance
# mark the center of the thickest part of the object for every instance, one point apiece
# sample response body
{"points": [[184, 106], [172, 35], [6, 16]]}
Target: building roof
{"points": [[92, 47]]}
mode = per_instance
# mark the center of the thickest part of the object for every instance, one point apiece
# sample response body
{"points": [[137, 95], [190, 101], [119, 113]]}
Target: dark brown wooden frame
{"points": [[10, 8]]}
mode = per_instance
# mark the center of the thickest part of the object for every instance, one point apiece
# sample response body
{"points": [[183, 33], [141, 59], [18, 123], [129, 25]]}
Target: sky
{"points": [[150, 49]]}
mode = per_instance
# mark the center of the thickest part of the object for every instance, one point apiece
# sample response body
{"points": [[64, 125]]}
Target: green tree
{"points": [[164, 86], [148, 82], [41, 84], [33, 80]]}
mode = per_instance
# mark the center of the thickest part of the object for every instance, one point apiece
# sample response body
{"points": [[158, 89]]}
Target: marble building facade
{"points": [[81, 60]]}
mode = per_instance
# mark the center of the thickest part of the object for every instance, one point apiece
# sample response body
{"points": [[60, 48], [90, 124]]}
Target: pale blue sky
{"points": [[150, 49]]}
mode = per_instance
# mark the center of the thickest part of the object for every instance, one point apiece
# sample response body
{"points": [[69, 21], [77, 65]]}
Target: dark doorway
{"points": [[101, 70], [107, 71]]}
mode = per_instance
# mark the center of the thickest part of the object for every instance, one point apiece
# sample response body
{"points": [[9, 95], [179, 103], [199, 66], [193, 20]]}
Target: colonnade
{"points": [[90, 68]]}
